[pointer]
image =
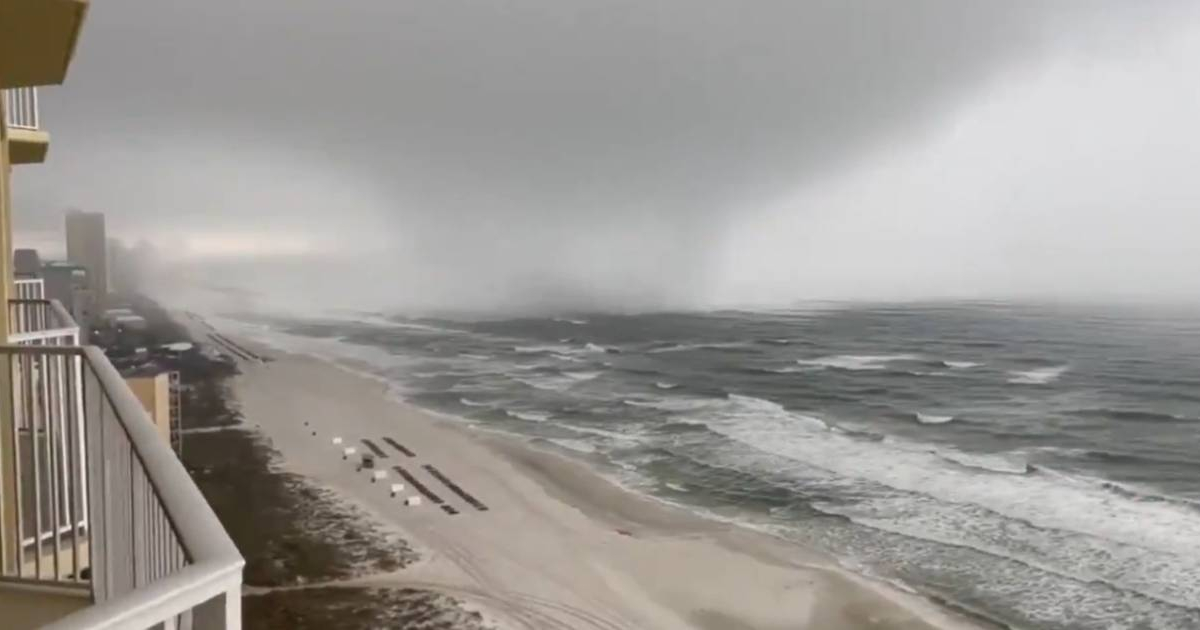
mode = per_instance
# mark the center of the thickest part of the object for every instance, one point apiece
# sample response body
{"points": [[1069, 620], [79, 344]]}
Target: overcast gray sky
{"points": [[642, 152]]}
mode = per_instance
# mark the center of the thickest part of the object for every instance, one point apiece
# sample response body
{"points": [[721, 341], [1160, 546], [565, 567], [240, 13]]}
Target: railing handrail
{"points": [[64, 325], [60, 312], [29, 289], [200, 531]]}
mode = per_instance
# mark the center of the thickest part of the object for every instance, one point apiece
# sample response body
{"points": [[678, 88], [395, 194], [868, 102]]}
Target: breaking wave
{"points": [[1038, 376], [928, 418], [857, 361]]}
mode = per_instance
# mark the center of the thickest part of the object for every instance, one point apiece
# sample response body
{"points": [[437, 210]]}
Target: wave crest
{"points": [[856, 362], [928, 418], [1038, 376]]}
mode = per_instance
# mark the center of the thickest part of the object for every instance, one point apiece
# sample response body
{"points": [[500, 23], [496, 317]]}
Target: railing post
{"points": [[97, 486], [10, 536], [223, 612]]}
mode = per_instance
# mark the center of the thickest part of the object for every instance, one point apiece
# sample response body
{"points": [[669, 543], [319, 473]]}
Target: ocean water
{"points": [[1037, 465]]}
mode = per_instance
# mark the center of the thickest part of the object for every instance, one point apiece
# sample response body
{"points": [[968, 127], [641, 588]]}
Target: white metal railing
{"points": [[41, 322], [21, 107], [93, 498], [30, 288]]}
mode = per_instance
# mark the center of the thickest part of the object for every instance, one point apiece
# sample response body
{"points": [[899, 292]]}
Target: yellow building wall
{"points": [[8, 481], [154, 392]]}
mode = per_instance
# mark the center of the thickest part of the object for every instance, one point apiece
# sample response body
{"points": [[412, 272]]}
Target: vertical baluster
{"points": [[98, 461], [14, 378], [74, 485], [51, 401], [35, 430], [4, 500]]}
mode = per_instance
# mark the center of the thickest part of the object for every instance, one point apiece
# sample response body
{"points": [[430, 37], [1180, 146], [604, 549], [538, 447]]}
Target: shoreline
{"points": [[622, 523]]}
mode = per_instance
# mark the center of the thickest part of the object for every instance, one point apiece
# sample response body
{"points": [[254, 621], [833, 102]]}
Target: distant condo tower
{"points": [[87, 246]]}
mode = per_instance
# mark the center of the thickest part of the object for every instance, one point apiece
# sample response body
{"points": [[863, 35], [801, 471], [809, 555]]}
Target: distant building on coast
{"points": [[158, 391], [69, 283], [87, 245], [27, 263]]}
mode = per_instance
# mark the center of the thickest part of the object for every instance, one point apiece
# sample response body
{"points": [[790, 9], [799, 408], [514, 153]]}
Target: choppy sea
{"points": [[1038, 465]]}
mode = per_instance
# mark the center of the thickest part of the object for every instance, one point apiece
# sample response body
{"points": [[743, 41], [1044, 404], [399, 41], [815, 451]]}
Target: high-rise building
{"points": [[87, 245], [27, 263], [67, 282]]}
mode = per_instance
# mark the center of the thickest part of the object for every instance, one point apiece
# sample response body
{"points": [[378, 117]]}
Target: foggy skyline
{"points": [[635, 154]]}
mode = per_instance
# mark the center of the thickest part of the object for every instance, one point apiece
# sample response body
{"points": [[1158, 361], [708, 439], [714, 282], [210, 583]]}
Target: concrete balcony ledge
{"points": [[27, 146], [27, 607], [37, 40]]}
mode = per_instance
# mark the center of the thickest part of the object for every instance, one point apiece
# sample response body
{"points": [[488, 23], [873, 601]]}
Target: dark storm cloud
{"points": [[590, 151]]}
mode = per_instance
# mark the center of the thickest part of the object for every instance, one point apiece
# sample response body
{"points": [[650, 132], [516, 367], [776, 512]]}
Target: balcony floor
{"points": [[26, 608]]}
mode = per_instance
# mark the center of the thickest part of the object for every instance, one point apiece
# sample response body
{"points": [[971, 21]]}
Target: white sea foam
{"points": [[473, 403], [579, 446], [670, 404], [928, 418], [582, 376], [857, 361], [683, 347], [1010, 464], [1038, 376], [961, 365], [528, 416], [663, 385], [546, 382], [959, 478], [796, 369], [544, 349], [383, 322], [1080, 558], [629, 436], [567, 320]]}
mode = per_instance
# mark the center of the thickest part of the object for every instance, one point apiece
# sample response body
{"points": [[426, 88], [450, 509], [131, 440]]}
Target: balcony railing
{"points": [[93, 499], [21, 107], [30, 288], [37, 322]]}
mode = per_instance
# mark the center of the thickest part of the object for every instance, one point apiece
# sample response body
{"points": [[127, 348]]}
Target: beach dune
{"points": [[537, 540]]}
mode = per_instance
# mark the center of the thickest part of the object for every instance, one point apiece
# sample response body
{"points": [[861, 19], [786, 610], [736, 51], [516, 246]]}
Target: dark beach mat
{"points": [[399, 447], [374, 448], [472, 501], [216, 339], [420, 487]]}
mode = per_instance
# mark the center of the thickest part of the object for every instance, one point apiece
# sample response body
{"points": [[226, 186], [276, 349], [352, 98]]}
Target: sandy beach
{"points": [[538, 540]]}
